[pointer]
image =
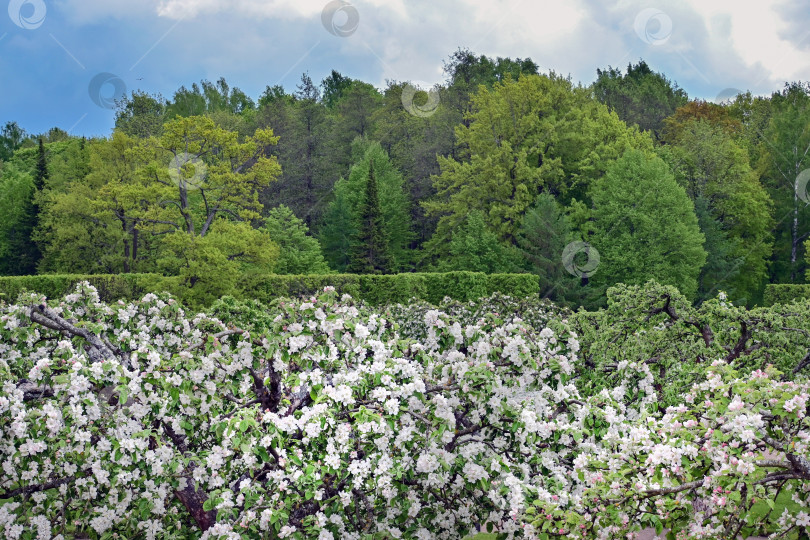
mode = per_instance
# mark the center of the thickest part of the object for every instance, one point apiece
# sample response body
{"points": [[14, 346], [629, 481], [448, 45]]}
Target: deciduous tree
{"points": [[645, 226]]}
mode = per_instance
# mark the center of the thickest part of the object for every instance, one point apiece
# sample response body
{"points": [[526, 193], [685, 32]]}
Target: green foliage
{"points": [[659, 326], [214, 265], [640, 97], [311, 159], [467, 71], [544, 233], [18, 254], [723, 257], [11, 138], [299, 253], [90, 203], [373, 289], [338, 231], [477, 249], [41, 174], [111, 287], [208, 97], [142, 115], [370, 251], [644, 226], [784, 156], [785, 293], [356, 107], [334, 86], [341, 227], [714, 170], [549, 136]]}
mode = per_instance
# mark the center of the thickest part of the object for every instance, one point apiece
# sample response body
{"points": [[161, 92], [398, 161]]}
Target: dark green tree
{"points": [[16, 201], [141, 115], [714, 169], [305, 128], [41, 173], [723, 261], [11, 138], [641, 96], [369, 252], [544, 233], [20, 253], [349, 197], [337, 231], [333, 88], [785, 158]]}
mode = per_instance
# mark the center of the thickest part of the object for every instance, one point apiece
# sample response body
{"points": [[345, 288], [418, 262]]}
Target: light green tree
{"points": [[299, 253], [644, 226], [475, 248], [200, 177], [92, 207], [539, 133]]}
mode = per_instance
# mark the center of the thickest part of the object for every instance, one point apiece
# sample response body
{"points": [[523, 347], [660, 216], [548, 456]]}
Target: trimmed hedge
{"points": [[110, 286], [785, 293], [374, 289]]}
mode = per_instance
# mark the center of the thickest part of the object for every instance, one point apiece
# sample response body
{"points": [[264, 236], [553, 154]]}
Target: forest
{"points": [[499, 169]]}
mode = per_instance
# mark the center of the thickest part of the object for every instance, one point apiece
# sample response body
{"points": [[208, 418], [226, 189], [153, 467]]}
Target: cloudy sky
{"points": [[61, 60]]}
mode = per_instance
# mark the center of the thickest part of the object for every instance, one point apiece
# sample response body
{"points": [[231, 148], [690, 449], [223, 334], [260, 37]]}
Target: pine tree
{"points": [[369, 254]]}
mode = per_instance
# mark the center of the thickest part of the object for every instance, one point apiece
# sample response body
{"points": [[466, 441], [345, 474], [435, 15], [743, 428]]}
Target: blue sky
{"points": [[51, 50]]}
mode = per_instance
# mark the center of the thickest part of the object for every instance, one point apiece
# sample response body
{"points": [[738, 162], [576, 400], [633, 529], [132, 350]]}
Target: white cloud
{"points": [[757, 33], [282, 9], [715, 44]]}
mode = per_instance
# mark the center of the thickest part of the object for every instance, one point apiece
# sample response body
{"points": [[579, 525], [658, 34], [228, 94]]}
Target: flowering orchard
{"points": [[324, 418]]}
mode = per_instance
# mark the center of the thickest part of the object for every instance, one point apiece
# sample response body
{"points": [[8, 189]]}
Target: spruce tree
{"points": [[369, 252], [24, 252], [41, 173]]}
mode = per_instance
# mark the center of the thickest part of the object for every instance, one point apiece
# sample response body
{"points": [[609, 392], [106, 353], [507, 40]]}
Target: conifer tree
{"points": [[26, 252], [369, 253], [41, 173]]}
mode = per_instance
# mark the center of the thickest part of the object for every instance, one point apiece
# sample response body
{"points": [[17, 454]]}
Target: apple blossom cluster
{"points": [[330, 419]]}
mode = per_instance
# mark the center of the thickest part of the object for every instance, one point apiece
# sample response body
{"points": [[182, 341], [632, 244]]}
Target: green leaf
{"points": [[123, 394]]}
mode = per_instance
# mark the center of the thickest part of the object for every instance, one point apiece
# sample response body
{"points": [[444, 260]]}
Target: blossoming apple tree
{"points": [[324, 418]]}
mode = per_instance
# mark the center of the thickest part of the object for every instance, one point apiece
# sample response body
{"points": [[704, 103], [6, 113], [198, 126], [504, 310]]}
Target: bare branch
{"points": [[97, 349]]}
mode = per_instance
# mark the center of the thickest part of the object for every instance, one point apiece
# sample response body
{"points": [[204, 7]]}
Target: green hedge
{"points": [[110, 286], [785, 293], [374, 289]]}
